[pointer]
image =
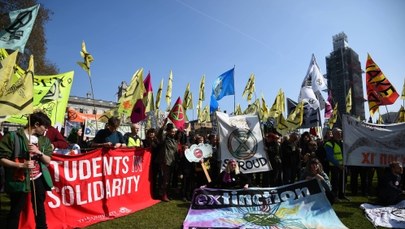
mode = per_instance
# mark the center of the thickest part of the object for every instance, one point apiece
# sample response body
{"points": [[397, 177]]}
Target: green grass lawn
{"points": [[172, 214]]}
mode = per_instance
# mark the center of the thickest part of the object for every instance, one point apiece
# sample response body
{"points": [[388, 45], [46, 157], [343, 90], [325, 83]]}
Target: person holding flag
{"points": [[25, 155], [167, 157]]}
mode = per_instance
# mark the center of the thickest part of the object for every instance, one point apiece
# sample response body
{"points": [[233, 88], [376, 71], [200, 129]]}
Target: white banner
{"points": [[367, 144], [241, 139], [390, 216]]}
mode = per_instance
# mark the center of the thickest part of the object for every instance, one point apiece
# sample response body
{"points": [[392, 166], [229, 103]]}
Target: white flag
{"points": [[307, 95]]}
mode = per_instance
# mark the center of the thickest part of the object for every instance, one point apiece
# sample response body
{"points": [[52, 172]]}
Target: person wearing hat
{"points": [[167, 157]]}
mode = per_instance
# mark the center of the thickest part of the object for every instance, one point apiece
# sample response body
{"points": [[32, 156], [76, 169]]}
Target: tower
{"points": [[343, 71]]}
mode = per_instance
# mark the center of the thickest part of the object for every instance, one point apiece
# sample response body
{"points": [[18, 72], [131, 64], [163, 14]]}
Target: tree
{"points": [[36, 44]]}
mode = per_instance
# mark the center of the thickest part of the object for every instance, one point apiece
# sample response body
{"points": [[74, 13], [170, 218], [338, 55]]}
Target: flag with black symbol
{"points": [[15, 35], [241, 139]]}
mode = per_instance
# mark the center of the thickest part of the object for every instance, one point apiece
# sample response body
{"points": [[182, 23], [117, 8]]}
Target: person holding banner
{"points": [[314, 170], [110, 136], [153, 143], [231, 177], [25, 155], [132, 138]]}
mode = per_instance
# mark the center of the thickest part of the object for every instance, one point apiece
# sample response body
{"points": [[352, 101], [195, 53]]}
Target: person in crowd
{"points": [[231, 177], [110, 136], [25, 155], [334, 154], [167, 157], [290, 157], [152, 142], [364, 172], [132, 138], [314, 170], [321, 153], [213, 140], [186, 168], [76, 136], [303, 143], [312, 147], [273, 177], [56, 138], [389, 190]]}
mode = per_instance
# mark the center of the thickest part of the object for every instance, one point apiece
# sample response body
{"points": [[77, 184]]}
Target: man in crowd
{"points": [[334, 154], [132, 138]]}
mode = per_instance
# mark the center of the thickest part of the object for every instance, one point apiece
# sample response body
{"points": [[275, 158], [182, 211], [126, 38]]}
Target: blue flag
{"points": [[224, 85], [15, 36], [213, 104]]}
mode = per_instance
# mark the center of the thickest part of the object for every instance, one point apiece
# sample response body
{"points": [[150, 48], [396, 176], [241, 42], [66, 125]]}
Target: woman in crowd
{"points": [[314, 170], [231, 177]]}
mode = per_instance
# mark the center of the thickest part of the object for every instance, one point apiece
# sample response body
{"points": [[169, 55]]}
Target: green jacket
{"points": [[7, 146]]}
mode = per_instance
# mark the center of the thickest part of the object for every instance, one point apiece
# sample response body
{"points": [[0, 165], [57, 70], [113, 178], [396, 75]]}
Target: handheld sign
{"points": [[198, 152]]}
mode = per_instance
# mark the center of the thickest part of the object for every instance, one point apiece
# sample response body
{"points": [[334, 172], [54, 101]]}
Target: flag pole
{"points": [[94, 102], [388, 114], [234, 94], [33, 181]]}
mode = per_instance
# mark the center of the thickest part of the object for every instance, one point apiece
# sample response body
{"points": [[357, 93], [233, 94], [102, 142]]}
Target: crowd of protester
{"points": [[293, 157]]}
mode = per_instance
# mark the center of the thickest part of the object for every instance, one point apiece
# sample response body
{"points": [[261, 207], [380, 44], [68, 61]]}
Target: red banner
{"points": [[97, 186]]}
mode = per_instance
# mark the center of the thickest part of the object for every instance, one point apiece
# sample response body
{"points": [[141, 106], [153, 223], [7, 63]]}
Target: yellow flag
{"points": [[51, 96], [401, 115], [188, 98], [169, 90], [238, 110], [108, 114], [87, 59], [264, 110], [333, 119], [204, 115], [253, 108], [16, 93], [403, 92], [18, 71], [201, 94], [278, 106], [282, 125], [296, 117], [134, 92], [159, 95], [380, 119], [249, 88], [349, 101]]}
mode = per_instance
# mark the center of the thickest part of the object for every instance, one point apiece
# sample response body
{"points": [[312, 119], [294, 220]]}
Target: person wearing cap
{"points": [[167, 157], [132, 138]]}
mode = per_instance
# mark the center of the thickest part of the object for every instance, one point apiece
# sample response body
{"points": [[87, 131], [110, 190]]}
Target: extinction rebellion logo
{"points": [[242, 144]]}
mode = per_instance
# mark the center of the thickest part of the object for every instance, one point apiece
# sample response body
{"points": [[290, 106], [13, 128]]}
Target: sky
{"points": [[272, 39]]}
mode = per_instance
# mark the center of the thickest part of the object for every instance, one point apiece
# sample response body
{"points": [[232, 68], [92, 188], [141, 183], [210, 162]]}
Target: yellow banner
{"points": [[51, 95]]}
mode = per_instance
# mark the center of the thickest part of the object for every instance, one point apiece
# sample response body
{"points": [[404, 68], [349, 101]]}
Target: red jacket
{"points": [[57, 139]]}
